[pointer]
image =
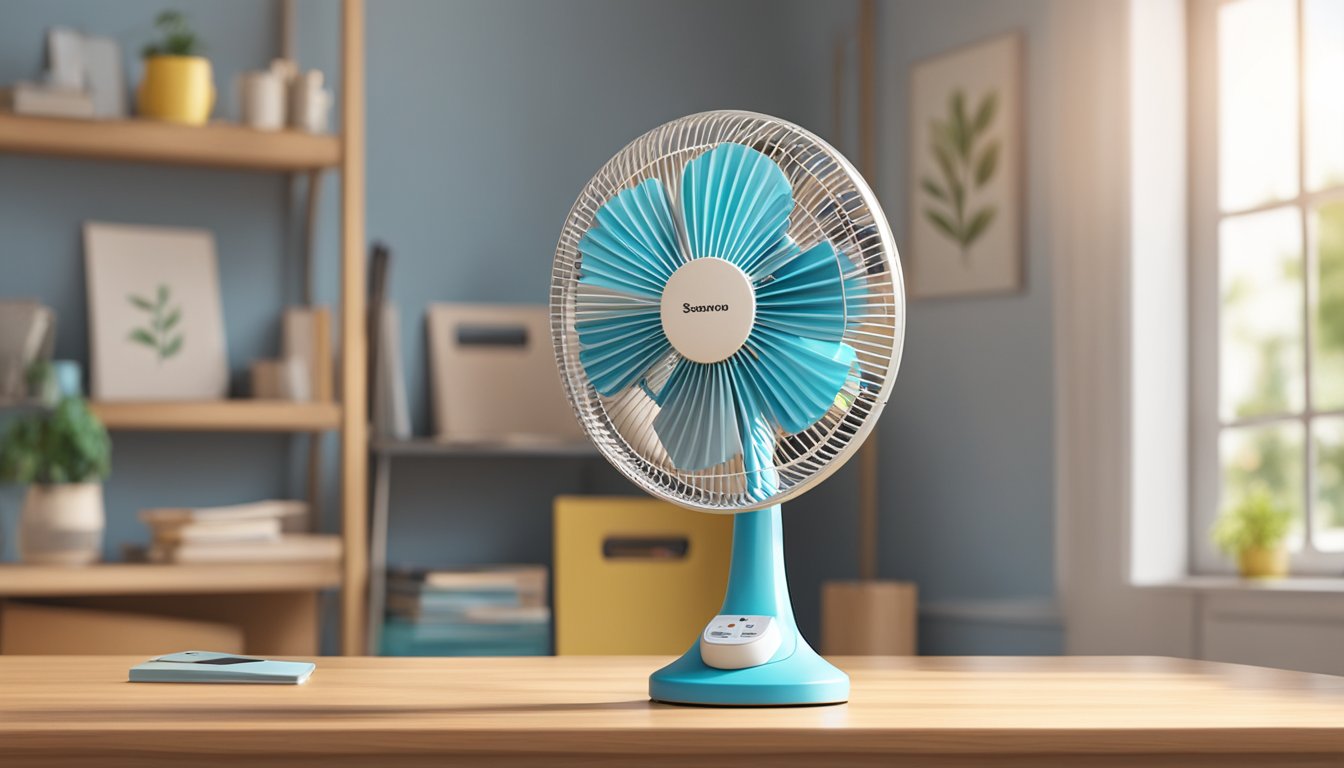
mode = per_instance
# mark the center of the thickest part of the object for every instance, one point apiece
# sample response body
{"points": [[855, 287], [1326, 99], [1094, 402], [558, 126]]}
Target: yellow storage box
{"points": [[635, 575]]}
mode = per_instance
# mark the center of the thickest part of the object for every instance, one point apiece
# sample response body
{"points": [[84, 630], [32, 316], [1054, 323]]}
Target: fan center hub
{"points": [[708, 309]]}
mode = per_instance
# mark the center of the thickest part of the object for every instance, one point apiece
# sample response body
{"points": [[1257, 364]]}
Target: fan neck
{"points": [[757, 584]]}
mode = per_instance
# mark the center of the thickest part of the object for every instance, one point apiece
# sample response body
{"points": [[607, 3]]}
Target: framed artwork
{"points": [[156, 325], [965, 190]]}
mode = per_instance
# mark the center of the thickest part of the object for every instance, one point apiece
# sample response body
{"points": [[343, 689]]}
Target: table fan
{"points": [[728, 313]]}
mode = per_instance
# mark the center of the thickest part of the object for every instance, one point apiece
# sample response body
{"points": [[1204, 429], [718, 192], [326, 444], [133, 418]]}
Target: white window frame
{"points": [[1206, 424]]}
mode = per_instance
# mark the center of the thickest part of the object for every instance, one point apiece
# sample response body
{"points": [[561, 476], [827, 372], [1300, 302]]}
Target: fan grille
{"points": [[832, 203]]}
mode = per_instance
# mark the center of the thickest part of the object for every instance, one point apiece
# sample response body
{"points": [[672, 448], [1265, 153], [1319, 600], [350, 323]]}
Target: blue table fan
{"points": [[728, 313]]}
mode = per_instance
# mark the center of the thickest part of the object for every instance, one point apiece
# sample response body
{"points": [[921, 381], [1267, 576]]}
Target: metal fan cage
{"points": [[832, 202]]}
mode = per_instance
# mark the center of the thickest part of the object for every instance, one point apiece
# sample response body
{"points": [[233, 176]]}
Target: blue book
{"points": [[209, 667]]}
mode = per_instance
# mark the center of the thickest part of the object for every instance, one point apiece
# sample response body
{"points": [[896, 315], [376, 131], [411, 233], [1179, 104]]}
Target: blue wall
{"points": [[967, 441], [485, 117]]}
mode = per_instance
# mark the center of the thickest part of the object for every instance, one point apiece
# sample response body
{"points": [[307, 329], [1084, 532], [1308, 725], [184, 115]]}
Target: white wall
{"points": [[1115, 158]]}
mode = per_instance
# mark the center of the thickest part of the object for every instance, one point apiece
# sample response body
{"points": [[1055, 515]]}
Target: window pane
{"points": [[1260, 324], [1323, 47], [1327, 367], [1268, 455], [1327, 524], [1257, 102]]}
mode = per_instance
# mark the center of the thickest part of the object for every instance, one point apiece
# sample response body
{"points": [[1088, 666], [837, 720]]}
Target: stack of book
{"points": [[242, 533], [482, 611]]}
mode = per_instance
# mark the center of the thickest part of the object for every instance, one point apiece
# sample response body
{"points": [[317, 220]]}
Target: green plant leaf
{"points": [[961, 128], [931, 187], [172, 319], [142, 336], [65, 444], [944, 139], [985, 166], [958, 196], [979, 223], [946, 165], [142, 303], [178, 38], [172, 347], [984, 114], [942, 224], [169, 19], [1259, 520], [163, 294]]}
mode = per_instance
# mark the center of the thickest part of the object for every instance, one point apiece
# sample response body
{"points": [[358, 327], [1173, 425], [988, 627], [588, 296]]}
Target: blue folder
{"points": [[209, 667]]}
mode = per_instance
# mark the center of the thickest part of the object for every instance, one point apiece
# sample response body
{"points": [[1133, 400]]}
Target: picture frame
{"points": [[156, 321], [965, 195]]}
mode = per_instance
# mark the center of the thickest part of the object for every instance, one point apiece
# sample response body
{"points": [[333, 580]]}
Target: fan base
{"points": [[757, 586], [802, 679]]}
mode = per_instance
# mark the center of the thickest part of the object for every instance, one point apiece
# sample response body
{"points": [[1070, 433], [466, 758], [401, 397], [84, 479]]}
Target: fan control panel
{"points": [[734, 641]]}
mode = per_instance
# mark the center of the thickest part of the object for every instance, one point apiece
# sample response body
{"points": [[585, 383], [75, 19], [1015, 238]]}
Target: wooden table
{"points": [[592, 711]]}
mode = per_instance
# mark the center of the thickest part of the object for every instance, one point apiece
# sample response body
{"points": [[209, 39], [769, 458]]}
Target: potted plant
{"points": [[178, 84], [62, 454], [1253, 531]]}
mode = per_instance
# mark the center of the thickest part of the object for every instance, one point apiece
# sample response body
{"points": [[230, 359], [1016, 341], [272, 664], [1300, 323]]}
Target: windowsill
{"points": [[1300, 585]]}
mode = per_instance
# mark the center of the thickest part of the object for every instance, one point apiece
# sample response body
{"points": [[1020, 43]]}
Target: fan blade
{"points": [[697, 425], [807, 296], [736, 204], [632, 245], [757, 435], [776, 256], [618, 345], [798, 377]]}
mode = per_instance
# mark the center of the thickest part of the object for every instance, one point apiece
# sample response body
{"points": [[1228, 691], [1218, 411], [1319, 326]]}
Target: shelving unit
{"points": [[384, 450], [220, 416], [275, 603]]}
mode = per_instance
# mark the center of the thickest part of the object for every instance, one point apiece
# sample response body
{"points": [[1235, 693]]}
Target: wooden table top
{"points": [[995, 711]]}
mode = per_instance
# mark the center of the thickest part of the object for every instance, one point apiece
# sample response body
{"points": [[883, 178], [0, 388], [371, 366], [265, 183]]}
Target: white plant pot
{"points": [[62, 524]]}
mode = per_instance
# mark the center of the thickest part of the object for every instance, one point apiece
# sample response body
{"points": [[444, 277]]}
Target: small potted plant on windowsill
{"points": [[178, 84], [1253, 531], [63, 455]]}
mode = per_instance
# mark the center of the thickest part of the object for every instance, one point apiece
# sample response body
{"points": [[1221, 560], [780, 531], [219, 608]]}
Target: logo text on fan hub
{"points": [[687, 307]]}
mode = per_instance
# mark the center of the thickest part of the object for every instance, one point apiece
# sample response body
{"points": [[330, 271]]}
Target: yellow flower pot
{"points": [[179, 89], [1263, 562]]}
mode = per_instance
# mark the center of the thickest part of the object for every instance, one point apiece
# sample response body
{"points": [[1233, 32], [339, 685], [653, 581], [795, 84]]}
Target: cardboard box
{"points": [[868, 618]]}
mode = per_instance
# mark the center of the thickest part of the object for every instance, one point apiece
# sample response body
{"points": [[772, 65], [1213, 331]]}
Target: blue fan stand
{"points": [[796, 675]]}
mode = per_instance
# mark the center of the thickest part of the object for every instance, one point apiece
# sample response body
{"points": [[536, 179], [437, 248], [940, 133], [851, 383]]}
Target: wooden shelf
{"points": [[219, 416], [229, 146], [217, 145], [17, 580], [498, 449]]}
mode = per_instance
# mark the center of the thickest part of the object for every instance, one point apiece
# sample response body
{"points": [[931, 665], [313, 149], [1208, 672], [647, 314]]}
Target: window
{"points": [[1268, 274]]}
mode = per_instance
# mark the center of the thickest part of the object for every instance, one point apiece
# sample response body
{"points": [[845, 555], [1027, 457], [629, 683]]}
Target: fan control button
{"points": [[727, 643]]}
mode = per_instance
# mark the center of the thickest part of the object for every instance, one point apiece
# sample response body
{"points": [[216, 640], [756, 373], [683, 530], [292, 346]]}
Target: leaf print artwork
{"points": [[161, 334], [966, 159]]}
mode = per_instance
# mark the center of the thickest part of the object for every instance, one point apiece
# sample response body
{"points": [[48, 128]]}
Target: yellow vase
{"points": [[179, 89], [1263, 562]]}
